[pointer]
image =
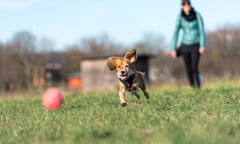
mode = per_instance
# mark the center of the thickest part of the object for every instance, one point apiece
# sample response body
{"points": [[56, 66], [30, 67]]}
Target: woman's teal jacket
{"points": [[193, 32]]}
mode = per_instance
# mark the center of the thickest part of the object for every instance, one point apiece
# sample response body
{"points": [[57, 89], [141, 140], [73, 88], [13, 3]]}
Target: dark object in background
{"points": [[53, 70]]}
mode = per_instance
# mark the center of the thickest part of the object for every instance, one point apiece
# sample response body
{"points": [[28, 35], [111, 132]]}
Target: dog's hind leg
{"points": [[143, 88], [146, 94], [142, 85]]}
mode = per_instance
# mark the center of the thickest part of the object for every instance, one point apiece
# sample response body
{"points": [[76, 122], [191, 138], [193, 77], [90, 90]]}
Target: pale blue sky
{"points": [[125, 21]]}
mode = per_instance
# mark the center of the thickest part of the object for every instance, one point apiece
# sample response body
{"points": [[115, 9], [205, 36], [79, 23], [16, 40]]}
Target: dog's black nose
{"points": [[122, 72]]}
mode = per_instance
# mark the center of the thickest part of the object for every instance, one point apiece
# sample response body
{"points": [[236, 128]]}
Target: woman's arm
{"points": [[175, 34], [201, 31]]}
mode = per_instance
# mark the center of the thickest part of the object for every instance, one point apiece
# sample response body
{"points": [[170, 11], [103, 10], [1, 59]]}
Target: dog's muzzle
{"points": [[128, 81], [123, 75]]}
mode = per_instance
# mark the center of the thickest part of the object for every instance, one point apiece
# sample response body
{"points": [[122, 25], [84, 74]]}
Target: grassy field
{"points": [[172, 116]]}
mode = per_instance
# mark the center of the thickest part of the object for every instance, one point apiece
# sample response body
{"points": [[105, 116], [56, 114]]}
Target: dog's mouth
{"points": [[123, 76]]}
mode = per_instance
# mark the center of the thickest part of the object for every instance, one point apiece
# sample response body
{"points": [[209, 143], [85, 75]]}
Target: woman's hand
{"points": [[201, 50], [174, 54]]}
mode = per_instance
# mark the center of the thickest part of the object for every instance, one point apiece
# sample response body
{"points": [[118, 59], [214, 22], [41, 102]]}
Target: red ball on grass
{"points": [[52, 99]]}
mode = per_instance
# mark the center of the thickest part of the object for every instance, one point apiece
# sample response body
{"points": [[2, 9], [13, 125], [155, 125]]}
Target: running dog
{"points": [[128, 77]]}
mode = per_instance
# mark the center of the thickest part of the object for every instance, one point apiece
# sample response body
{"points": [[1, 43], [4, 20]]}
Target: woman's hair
{"points": [[186, 2], [192, 14]]}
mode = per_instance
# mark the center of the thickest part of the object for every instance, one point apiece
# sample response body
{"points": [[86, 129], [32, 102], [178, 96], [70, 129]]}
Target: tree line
{"points": [[24, 53]]}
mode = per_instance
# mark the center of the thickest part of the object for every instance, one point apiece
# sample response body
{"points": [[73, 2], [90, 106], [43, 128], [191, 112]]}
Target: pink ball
{"points": [[52, 99]]}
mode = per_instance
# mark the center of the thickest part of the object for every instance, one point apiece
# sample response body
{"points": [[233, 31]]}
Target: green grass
{"points": [[172, 116]]}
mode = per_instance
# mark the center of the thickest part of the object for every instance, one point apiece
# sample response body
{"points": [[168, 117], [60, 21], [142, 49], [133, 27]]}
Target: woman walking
{"points": [[193, 41]]}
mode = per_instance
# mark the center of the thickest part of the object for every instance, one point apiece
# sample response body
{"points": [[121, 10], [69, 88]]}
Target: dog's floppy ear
{"points": [[131, 56], [111, 63]]}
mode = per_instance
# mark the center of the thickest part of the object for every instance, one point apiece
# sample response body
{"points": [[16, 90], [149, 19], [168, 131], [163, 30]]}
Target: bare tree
{"points": [[151, 43], [100, 46], [24, 44], [1, 67], [45, 45]]}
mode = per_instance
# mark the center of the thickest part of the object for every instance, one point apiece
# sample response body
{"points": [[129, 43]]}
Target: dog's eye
{"points": [[119, 67], [126, 66]]}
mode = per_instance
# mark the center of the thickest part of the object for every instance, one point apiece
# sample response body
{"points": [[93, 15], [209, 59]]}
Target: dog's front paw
{"points": [[124, 104], [136, 94]]}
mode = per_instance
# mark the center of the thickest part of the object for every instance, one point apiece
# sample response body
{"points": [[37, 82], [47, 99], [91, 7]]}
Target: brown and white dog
{"points": [[129, 78]]}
